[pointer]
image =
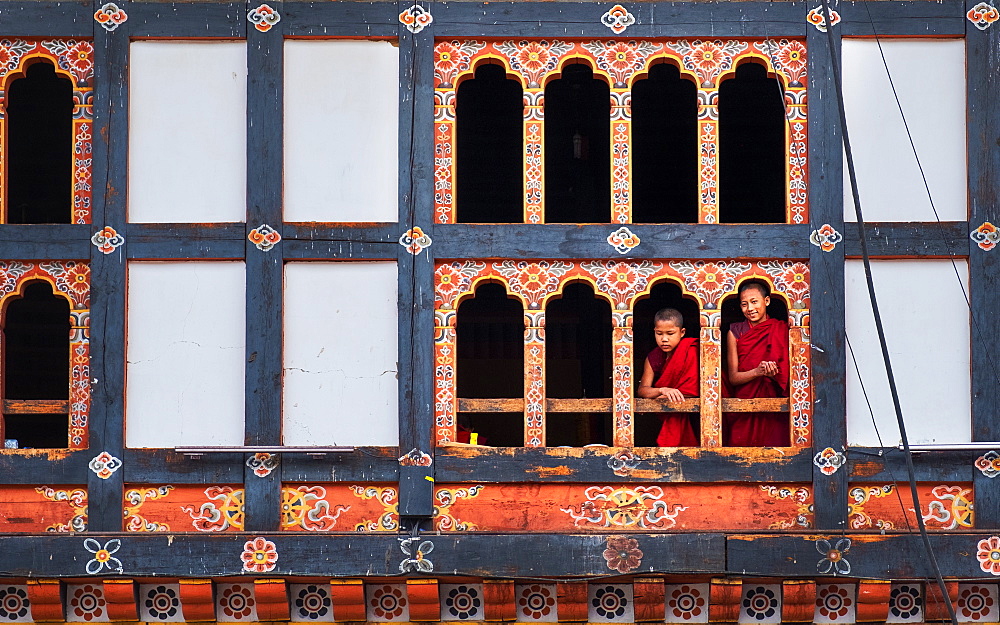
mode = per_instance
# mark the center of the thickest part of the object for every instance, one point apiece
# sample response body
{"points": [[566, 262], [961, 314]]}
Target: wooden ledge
{"points": [[606, 404]]}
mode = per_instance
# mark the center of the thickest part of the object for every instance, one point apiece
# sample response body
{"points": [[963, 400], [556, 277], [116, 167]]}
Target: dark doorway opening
{"points": [[752, 150], [577, 148], [664, 147]]}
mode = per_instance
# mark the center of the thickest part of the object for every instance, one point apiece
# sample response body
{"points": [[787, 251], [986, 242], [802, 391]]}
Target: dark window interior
{"points": [[488, 134], [664, 147], [664, 294], [36, 364], [489, 334], [751, 148], [577, 148], [40, 147], [578, 364]]}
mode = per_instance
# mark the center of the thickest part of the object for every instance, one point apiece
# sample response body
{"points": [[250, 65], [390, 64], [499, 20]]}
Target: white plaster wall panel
{"points": [[185, 367], [927, 328], [341, 131], [929, 76], [187, 131], [340, 354]]}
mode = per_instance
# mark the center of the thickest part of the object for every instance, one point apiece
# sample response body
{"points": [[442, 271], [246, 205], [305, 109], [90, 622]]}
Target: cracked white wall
{"points": [[340, 353], [185, 368]]}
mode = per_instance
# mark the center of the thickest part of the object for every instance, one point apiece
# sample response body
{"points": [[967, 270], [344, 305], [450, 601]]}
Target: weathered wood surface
{"points": [[167, 241], [365, 464], [164, 466], [184, 19], [889, 464], [38, 242], [35, 406], [47, 19], [928, 239], [915, 19], [341, 19], [44, 466]]}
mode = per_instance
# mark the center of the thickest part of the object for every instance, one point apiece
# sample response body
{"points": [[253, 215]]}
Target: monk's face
{"points": [[667, 335], [754, 303]]}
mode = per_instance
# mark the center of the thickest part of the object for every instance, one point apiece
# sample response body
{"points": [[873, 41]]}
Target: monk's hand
{"points": [[771, 368], [672, 395]]}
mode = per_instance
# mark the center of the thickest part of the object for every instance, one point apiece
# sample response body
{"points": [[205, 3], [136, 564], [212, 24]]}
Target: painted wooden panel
{"points": [[340, 354], [927, 327], [340, 141], [890, 506], [929, 78], [183, 508], [185, 360], [187, 131], [43, 509]]}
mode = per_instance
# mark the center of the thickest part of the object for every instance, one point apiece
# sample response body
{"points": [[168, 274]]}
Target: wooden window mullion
{"points": [[708, 155], [622, 387], [534, 378], [621, 157], [711, 378], [533, 158]]}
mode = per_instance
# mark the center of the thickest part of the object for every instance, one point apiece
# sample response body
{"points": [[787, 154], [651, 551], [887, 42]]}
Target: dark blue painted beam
{"points": [[925, 239], [915, 19], [47, 19], [873, 465], [201, 241], [188, 19], [341, 19]]}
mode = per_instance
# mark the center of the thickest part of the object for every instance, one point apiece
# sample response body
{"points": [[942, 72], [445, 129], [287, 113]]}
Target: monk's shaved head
{"points": [[758, 286], [669, 314]]}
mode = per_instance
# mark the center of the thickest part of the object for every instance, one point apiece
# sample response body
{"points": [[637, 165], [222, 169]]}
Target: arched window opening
{"points": [[664, 147], [577, 148], [489, 332], [759, 424], [578, 366], [40, 147], [752, 151], [664, 294], [36, 349], [488, 126]]}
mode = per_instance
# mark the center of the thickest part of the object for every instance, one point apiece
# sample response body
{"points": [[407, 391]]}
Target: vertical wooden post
{"points": [[534, 158], [800, 395], [624, 398], [621, 156], [534, 378], [445, 398], [444, 158], [711, 378], [708, 155]]}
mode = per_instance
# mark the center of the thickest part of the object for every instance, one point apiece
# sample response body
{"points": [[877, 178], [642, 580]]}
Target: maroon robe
{"points": [[682, 373], [768, 340]]}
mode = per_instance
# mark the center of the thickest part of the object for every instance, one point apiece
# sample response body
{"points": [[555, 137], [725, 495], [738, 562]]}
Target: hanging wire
{"points": [[838, 87]]}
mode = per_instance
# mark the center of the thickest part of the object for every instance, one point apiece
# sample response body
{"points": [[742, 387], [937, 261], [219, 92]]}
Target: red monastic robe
{"points": [[768, 340], [682, 373]]}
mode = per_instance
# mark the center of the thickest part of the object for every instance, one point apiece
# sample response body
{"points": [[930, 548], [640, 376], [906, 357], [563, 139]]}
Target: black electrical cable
{"points": [[838, 87]]}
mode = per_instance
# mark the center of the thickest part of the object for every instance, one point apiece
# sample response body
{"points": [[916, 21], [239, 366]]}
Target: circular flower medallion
{"points": [[536, 602], [236, 602], [760, 603], [87, 602], [904, 601], [834, 602], [686, 603], [13, 603], [988, 554], [388, 603], [609, 602], [463, 602], [162, 603], [975, 603], [312, 602]]}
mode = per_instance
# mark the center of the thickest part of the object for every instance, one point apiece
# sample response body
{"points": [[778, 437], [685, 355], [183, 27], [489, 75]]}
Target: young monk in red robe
{"points": [[757, 365], [671, 372]]}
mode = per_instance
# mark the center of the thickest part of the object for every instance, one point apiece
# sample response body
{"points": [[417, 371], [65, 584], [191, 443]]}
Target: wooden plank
{"points": [[368, 464], [341, 19], [183, 19], [353, 554], [54, 466], [47, 19], [220, 241], [164, 466], [466, 463], [35, 406], [983, 84], [915, 19], [605, 405], [354, 232], [579, 19], [590, 241], [352, 250], [872, 465], [40, 241], [941, 240]]}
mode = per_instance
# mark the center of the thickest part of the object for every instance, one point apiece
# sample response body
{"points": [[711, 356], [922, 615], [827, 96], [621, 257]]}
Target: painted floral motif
{"points": [[110, 16], [11, 52], [621, 59], [262, 464], [536, 602], [264, 237], [687, 602], [952, 508], [989, 464], [134, 499], [263, 18], [452, 57], [986, 236], [87, 603], [798, 494], [312, 602], [533, 59], [618, 19], [858, 497], [223, 512], [389, 498], [626, 507], [103, 556], [533, 280], [306, 507], [160, 603], [829, 460], [462, 602], [107, 240], [983, 15], [622, 280], [416, 18], [622, 554], [14, 604], [414, 240], [760, 604], [388, 603], [236, 602], [977, 602], [623, 240], [623, 463], [988, 554], [444, 499], [415, 458], [834, 602], [76, 499], [416, 557], [709, 280], [104, 465], [259, 555], [826, 238], [788, 55], [609, 602], [791, 278], [833, 561], [708, 59], [818, 19], [453, 279], [904, 603]]}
